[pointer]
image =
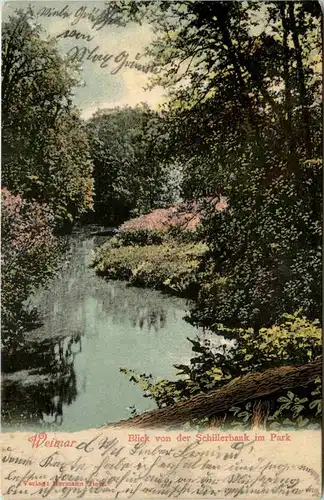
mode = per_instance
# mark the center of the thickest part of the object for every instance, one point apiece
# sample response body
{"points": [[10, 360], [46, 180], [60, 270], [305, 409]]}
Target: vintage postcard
{"points": [[161, 312]]}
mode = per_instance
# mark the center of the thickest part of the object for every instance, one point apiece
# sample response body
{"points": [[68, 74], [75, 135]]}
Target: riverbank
{"points": [[169, 266]]}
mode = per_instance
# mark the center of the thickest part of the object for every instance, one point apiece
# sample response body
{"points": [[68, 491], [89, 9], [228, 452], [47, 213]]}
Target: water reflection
{"points": [[67, 373], [81, 299], [38, 380]]}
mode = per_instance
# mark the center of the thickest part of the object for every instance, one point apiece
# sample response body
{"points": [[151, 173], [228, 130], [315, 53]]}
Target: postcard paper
{"points": [[161, 250]]}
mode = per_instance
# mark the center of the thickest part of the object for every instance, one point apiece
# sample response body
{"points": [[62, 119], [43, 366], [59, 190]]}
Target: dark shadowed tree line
{"points": [[132, 173], [247, 123], [245, 110], [46, 167]]}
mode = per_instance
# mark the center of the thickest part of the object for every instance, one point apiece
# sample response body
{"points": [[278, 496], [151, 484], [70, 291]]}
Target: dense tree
{"points": [[44, 146], [245, 109], [130, 172], [29, 254]]}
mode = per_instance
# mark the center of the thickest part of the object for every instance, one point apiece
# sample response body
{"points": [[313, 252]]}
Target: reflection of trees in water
{"points": [[149, 318], [83, 299], [134, 307], [38, 380], [17, 323], [40, 377]]}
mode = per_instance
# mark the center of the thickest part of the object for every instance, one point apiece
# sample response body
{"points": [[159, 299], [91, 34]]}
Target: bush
{"points": [[142, 237], [166, 267], [146, 237]]}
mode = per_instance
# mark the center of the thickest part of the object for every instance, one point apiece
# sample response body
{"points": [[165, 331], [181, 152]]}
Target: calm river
{"points": [[67, 376]]}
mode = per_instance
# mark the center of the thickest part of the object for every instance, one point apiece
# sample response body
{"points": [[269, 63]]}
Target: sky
{"points": [[101, 88]]}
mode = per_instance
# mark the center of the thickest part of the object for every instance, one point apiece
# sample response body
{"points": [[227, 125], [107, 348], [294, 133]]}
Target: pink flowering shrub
{"points": [[28, 254]]}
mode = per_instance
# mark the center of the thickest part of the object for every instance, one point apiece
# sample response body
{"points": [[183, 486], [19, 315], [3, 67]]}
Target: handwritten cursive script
{"points": [[99, 18], [87, 52], [81, 54], [107, 464]]}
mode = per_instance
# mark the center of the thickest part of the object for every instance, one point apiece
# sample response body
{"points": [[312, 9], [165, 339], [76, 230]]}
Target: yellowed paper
{"points": [[107, 464]]}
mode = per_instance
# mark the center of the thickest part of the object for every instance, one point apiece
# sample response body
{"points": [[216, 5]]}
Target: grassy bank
{"points": [[169, 266]]}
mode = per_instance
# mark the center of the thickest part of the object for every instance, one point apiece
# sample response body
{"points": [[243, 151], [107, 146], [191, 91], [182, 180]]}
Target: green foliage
{"points": [[294, 406], [268, 252], [295, 341], [241, 416], [290, 411], [169, 267], [131, 174], [246, 124], [44, 145], [178, 233], [141, 237], [245, 111]]}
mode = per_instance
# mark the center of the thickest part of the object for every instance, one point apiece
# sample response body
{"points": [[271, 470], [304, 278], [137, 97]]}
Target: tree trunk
{"points": [[292, 161], [250, 387], [301, 77], [260, 413]]}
